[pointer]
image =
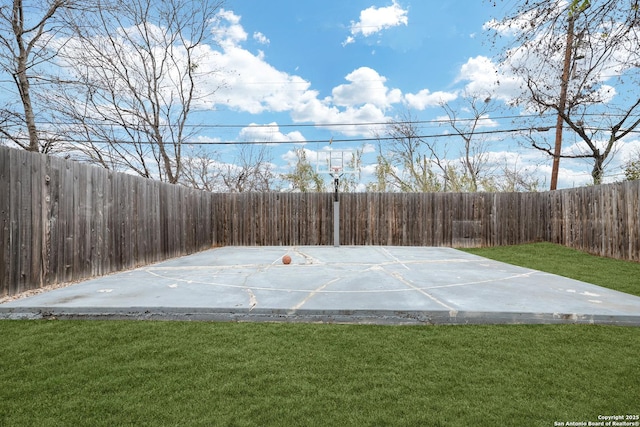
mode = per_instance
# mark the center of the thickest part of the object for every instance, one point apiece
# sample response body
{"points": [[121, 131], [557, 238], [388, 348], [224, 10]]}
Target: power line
{"points": [[363, 124], [543, 128], [292, 142], [370, 139], [387, 123], [345, 124]]}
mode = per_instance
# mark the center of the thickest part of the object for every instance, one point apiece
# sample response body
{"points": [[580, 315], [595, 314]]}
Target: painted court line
{"points": [[312, 294], [348, 291]]}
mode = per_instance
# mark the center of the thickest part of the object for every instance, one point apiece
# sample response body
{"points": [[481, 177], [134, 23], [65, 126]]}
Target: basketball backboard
{"points": [[337, 162]]}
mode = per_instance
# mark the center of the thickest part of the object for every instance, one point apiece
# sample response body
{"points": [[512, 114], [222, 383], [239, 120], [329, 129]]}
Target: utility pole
{"points": [[568, 53], [575, 8]]}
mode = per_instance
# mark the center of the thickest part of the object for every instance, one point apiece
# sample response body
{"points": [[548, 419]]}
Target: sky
{"points": [[291, 71], [293, 63], [328, 74]]}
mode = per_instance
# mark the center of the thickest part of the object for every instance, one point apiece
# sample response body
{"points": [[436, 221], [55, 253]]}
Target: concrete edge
{"points": [[377, 317]]}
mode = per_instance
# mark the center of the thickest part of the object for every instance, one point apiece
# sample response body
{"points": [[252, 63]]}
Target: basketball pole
{"points": [[335, 161], [336, 212]]}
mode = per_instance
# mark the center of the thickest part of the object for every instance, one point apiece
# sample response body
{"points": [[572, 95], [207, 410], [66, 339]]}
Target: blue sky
{"points": [[421, 45], [293, 63], [290, 72], [297, 65]]}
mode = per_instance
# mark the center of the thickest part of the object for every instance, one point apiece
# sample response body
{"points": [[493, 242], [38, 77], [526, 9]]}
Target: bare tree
{"points": [[406, 160], [132, 71], [411, 161], [581, 61], [26, 31], [251, 171], [201, 170], [511, 177], [474, 156]]}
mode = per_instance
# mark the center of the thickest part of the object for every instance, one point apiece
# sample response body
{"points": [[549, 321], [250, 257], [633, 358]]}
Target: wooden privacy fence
{"points": [[602, 220], [63, 221], [407, 219]]}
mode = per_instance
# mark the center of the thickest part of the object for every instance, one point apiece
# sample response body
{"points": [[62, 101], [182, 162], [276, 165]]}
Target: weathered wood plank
{"points": [[6, 244]]}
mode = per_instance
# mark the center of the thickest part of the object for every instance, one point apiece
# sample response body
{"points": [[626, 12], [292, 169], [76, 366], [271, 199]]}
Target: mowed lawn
{"points": [[623, 276], [142, 373]]}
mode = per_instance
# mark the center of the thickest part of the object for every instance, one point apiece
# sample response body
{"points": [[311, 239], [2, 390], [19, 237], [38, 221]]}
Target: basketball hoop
{"points": [[336, 163]]}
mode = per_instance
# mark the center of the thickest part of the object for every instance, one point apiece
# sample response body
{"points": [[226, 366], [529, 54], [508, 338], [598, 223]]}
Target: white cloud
{"points": [[348, 40], [485, 77], [323, 112], [369, 148], [605, 93], [425, 99], [375, 19], [629, 150], [568, 177], [365, 99], [268, 133], [366, 87], [228, 31], [244, 81], [207, 139], [486, 122], [261, 38], [253, 85]]}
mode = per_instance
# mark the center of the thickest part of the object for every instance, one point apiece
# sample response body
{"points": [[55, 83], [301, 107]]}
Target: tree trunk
{"points": [[29, 116], [598, 168], [22, 79]]}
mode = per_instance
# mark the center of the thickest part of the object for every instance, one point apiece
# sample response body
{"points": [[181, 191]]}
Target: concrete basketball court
{"points": [[363, 284]]}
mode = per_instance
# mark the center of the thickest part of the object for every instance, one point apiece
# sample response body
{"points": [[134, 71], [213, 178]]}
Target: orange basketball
{"points": [[286, 259]]}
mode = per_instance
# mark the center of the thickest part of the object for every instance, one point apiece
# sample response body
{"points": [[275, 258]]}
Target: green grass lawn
{"points": [[623, 276], [109, 373], [113, 373]]}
